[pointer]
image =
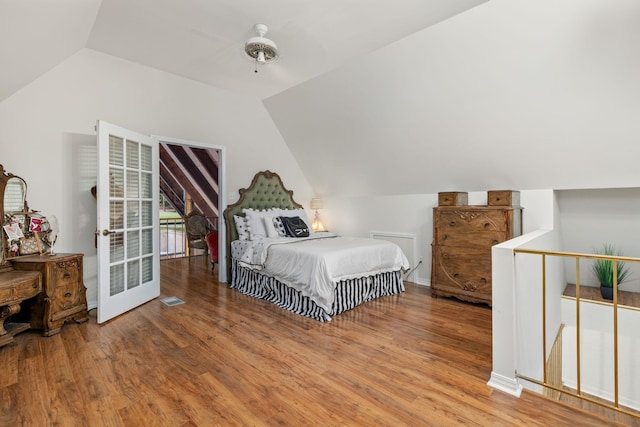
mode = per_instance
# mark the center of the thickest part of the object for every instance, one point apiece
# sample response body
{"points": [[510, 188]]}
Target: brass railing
{"points": [[549, 382]]}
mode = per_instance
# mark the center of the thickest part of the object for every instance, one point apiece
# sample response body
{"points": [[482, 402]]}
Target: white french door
{"points": [[128, 221]]}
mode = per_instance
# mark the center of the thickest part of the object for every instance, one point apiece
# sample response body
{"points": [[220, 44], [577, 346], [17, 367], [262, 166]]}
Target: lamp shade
{"points": [[316, 203]]}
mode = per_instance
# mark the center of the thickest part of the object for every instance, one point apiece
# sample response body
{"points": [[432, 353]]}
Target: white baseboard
{"points": [[505, 384]]}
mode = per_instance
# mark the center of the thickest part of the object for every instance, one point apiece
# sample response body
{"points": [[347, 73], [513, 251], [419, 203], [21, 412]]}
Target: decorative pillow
{"points": [[268, 225], [297, 212], [277, 224], [256, 222], [295, 226], [242, 227]]}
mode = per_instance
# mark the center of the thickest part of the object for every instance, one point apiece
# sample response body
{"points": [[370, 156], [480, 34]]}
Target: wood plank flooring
{"points": [[226, 359]]}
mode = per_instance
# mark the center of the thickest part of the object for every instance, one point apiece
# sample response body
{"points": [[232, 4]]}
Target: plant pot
{"points": [[607, 293]]}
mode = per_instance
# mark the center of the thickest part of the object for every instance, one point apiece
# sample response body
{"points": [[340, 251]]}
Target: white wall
{"points": [[413, 214], [591, 218], [510, 94], [596, 351], [48, 136]]}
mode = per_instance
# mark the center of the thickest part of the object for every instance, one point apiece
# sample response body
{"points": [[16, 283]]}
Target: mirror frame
{"points": [[5, 177]]}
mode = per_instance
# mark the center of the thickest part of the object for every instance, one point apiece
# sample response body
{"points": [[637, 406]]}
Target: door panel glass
{"points": [[133, 214], [133, 244], [147, 269], [146, 215], [147, 241], [117, 247], [116, 151], [116, 182], [146, 185], [117, 279], [133, 274], [133, 158], [146, 158], [116, 215], [133, 185]]}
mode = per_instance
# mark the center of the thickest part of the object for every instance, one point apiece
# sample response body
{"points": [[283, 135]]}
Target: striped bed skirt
{"points": [[347, 294]]}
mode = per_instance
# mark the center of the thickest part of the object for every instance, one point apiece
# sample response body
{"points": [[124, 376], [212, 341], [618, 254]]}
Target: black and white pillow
{"points": [[295, 226], [297, 212], [277, 223], [242, 227]]}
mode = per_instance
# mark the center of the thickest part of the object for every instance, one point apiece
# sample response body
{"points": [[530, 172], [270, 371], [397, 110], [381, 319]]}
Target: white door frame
{"points": [[222, 196]]}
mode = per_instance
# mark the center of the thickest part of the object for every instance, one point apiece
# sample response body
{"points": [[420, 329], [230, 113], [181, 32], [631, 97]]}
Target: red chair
{"points": [[212, 244]]}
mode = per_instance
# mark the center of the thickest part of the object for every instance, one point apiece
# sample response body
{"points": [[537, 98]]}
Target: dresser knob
{"points": [[67, 275], [67, 295]]}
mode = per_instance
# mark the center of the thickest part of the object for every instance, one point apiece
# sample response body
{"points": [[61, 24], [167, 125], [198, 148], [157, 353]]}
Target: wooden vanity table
{"points": [[63, 297], [15, 287], [38, 289]]}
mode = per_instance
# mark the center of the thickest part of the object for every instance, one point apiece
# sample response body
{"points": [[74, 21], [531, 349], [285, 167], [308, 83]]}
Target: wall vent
{"points": [[406, 242]]}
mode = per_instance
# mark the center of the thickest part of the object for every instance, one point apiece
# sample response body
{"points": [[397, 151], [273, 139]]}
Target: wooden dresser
{"points": [[63, 297], [461, 250]]}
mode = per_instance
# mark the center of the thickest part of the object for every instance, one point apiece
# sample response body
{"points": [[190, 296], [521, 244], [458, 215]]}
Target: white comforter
{"points": [[315, 264]]}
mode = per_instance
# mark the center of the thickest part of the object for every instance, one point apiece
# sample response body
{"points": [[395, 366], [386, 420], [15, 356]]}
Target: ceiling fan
{"points": [[261, 49]]}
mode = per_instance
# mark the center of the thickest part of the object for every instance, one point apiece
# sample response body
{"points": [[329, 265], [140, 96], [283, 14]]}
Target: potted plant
{"points": [[603, 269]]}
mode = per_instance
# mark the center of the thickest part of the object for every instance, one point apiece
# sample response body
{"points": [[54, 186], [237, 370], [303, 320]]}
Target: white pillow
{"points": [[298, 212], [242, 227], [256, 222], [268, 225]]}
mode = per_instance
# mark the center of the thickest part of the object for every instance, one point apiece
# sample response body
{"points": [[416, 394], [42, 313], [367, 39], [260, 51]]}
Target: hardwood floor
{"points": [[227, 359]]}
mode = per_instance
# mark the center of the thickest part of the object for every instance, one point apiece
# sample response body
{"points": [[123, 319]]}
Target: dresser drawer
{"points": [[6, 294], [468, 270], [65, 296], [453, 198], [464, 220], [18, 286], [503, 198], [470, 239], [66, 273], [29, 290]]}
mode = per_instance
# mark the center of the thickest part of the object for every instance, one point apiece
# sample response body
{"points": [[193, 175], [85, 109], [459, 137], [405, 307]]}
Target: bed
{"points": [[320, 275]]}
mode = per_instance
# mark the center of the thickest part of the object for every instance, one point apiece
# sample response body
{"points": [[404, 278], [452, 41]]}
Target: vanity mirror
{"points": [[24, 232], [13, 193]]}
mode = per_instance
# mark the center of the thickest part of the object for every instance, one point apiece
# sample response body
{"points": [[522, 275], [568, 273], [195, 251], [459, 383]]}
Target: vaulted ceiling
{"points": [[374, 97], [204, 41]]}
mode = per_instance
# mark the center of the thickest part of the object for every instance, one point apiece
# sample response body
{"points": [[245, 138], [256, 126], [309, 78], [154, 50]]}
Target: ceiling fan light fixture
{"points": [[259, 48]]}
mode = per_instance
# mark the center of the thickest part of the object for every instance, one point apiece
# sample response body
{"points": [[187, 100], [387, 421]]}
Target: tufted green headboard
{"points": [[266, 191]]}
